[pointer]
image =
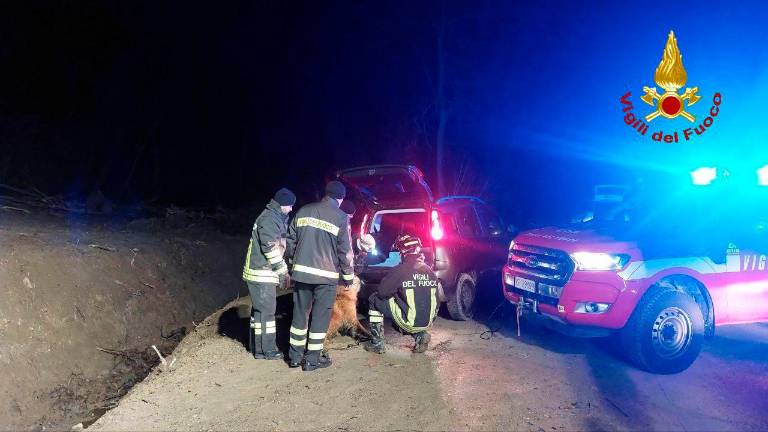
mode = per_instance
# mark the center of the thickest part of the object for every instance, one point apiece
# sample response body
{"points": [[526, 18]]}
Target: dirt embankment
{"points": [[82, 303]]}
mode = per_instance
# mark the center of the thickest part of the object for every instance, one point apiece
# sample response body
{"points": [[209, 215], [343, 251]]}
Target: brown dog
{"points": [[344, 315]]}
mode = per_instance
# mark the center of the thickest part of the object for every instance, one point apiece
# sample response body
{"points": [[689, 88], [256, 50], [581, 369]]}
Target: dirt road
{"points": [[540, 382]]}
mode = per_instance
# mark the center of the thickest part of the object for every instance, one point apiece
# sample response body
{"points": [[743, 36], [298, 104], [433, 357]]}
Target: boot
{"points": [[255, 340], [270, 351], [269, 355], [422, 342], [376, 344], [323, 361]]}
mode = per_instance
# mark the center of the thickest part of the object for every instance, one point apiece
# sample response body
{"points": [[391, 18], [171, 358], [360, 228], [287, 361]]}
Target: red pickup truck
{"points": [[660, 288]]}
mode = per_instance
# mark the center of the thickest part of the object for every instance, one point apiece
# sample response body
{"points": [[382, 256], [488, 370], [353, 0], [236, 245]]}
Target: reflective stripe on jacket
{"points": [[264, 261], [411, 288], [319, 243]]}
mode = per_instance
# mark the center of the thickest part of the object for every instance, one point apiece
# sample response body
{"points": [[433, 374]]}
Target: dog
{"points": [[344, 315]]}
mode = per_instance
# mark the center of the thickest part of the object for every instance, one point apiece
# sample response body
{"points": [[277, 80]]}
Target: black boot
{"points": [[422, 342], [270, 351], [269, 355], [323, 361], [376, 344], [255, 340]]}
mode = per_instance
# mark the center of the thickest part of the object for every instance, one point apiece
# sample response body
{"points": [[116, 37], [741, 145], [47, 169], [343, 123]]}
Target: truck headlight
{"points": [[592, 261]]}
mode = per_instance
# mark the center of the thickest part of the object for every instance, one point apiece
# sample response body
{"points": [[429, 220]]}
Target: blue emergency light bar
{"points": [[704, 175], [762, 176]]}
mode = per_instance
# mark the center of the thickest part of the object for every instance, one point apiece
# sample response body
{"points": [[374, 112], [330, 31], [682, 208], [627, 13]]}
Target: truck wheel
{"points": [[461, 305], [665, 332]]}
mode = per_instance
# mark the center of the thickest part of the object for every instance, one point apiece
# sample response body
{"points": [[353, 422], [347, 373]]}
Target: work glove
{"points": [[282, 275]]}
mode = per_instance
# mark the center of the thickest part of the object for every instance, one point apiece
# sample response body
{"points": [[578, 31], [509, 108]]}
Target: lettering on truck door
{"points": [[747, 282]]}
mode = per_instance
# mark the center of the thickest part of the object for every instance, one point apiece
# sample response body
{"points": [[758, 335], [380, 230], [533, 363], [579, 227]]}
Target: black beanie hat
{"points": [[336, 190], [285, 197]]}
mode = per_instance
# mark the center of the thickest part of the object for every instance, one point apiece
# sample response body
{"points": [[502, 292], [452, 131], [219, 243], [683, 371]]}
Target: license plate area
{"points": [[525, 284]]}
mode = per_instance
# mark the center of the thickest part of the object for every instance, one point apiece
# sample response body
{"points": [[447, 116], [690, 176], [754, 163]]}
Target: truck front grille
{"points": [[549, 266]]}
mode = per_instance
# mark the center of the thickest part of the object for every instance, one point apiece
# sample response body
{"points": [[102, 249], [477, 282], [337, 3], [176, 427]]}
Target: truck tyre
{"points": [[665, 332], [461, 305]]}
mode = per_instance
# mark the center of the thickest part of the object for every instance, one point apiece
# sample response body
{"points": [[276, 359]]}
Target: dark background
{"points": [[204, 104]]}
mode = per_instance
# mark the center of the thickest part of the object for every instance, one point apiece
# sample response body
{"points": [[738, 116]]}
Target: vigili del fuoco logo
{"points": [[671, 77]]}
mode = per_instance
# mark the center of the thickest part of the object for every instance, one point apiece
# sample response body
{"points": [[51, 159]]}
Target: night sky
{"points": [[208, 104]]}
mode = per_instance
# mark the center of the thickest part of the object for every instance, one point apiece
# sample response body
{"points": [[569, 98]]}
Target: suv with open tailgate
{"points": [[462, 236]]}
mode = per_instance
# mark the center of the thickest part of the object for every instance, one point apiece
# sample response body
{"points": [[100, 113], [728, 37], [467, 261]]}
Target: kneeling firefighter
{"points": [[407, 295], [264, 270]]}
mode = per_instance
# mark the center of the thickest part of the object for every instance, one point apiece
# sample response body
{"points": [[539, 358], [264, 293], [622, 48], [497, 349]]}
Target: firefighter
{"points": [[264, 269], [407, 296], [319, 244]]}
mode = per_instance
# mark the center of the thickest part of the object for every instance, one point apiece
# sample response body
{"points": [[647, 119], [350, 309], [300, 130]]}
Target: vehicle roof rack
{"points": [[445, 199]]}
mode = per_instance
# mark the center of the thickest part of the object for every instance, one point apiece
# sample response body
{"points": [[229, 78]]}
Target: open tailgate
{"points": [[388, 183]]}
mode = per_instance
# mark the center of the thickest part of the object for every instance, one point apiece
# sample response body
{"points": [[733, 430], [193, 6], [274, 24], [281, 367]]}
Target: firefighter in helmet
{"points": [[407, 296]]}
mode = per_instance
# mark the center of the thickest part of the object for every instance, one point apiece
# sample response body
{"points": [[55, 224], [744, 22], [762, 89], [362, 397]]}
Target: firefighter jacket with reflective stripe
{"points": [[264, 262], [319, 244], [411, 288]]}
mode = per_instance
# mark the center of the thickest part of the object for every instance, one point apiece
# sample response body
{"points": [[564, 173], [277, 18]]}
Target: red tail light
{"points": [[437, 229]]}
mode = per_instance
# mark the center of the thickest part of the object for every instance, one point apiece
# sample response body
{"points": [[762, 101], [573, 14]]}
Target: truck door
{"points": [[747, 276]]}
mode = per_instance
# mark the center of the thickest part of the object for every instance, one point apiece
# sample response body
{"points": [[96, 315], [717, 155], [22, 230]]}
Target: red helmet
{"points": [[407, 244]]}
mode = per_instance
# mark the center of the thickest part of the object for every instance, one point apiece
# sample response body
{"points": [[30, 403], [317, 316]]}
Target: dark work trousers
{"points": [[263, 328], [379, 308], [375, 303], [317, 300]]}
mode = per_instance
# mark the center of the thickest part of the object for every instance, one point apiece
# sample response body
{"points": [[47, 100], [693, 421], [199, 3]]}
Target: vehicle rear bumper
{"points": [[602, 288]]}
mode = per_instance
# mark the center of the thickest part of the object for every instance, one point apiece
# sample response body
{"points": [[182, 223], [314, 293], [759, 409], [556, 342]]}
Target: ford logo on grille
{"points": [[531, 261]]}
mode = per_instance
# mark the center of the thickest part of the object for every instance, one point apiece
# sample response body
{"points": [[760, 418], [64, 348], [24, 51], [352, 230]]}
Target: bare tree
{"points": [[440, 101], [467, 180], [435, 119]]}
